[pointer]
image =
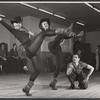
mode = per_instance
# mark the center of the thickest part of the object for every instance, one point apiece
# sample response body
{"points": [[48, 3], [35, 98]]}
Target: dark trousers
{"points": [[33, 59], [22, 63], [55, 48], [32, 48], [34, 67], [78, 77], [4, 64], [14, 65]]}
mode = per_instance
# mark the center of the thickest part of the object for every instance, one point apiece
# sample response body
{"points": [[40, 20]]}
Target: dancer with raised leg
{"points": [[31, 46], [55, 48]]}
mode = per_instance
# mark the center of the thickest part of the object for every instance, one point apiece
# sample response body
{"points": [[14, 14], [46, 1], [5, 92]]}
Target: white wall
{"points": [[5, 35], [94, 39]]}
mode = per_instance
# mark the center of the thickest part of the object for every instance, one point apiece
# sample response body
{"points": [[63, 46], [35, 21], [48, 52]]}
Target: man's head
{"points": [[17, 22], [21, 47], [44, 24], [2, 47], [76, 58], [14, 45]]}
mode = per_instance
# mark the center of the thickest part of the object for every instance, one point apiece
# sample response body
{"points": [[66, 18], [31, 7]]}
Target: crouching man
{"points": [[75, 72]]}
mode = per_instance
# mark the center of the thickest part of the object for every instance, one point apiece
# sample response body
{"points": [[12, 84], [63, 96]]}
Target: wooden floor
{"points": [[11, 87]]}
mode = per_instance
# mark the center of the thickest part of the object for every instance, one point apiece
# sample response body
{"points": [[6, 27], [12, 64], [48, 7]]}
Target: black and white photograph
{"points": [[49, 49]]}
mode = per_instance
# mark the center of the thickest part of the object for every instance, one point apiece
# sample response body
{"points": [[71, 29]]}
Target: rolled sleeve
{"points": [[85, 65]]}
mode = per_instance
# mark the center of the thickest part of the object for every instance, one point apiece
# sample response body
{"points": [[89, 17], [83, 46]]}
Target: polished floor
{"points": [[11, 87]]}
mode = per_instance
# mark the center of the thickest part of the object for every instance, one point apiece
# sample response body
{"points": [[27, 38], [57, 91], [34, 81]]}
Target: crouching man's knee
{"points": [[84, 85]]}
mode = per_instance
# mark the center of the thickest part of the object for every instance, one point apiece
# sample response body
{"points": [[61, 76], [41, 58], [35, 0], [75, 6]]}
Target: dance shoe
{"points": [[53, 84], [64, 31], [27, 88], [72, 86]]}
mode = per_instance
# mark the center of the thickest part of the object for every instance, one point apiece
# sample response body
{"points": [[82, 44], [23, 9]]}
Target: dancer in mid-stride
{"points": [[55, 48], [32, 45]]}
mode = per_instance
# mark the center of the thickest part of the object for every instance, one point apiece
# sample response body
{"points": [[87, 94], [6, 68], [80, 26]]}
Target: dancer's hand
{"points": [[25, 68], [0, 18], [31, 33], [86, 79]]}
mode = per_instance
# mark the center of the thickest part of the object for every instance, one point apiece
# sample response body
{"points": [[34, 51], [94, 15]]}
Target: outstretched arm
{"points": [[8, 27]]}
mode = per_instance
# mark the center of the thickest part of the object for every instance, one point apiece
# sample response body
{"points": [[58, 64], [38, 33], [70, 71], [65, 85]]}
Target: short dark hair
{"points": [[43, 20], [14, 44], [77, 54], [16, 20]]}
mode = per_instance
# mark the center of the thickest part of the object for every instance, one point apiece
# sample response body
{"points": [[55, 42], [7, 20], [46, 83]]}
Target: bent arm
{"points": [[91, 70], [69, 69]]}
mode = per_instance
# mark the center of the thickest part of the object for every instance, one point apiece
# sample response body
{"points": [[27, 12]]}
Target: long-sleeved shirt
{"points": [[21, 53], [2, 53], [13, 53]]}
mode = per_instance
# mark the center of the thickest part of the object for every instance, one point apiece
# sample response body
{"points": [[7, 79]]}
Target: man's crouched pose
{"points": [[75, 72]]}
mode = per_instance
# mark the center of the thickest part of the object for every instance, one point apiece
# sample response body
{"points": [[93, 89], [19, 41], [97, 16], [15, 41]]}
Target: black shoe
{"points": [[26, 91], [27, 88], [53, 86], [72, 86]]}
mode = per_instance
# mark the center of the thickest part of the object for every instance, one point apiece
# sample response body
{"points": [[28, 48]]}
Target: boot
{"points": [[53, 84], [65, 31], [72, 86], [79, 35], [27, 88]]}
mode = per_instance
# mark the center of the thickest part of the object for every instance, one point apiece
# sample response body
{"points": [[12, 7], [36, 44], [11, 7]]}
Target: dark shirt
{"points": [[22, 36], [2, 53], [77, 69], [13, 53]]}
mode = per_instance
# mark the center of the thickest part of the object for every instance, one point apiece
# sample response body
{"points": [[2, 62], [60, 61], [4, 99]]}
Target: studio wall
{"points": [[94, 39]]}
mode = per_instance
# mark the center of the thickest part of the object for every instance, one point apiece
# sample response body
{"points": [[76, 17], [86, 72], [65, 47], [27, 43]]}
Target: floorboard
{"points": [[11, 86]]}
